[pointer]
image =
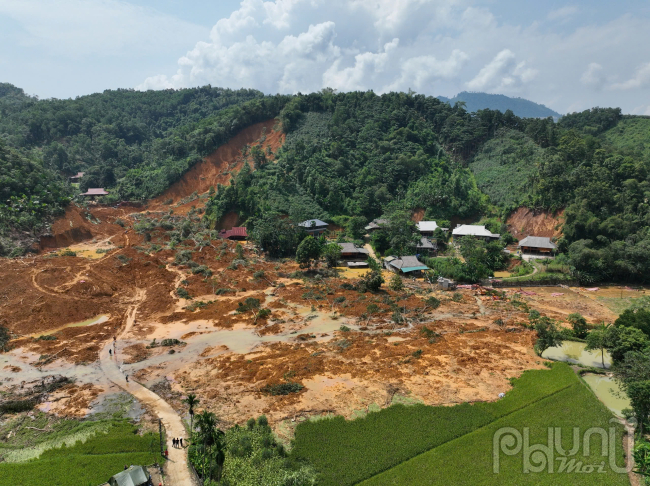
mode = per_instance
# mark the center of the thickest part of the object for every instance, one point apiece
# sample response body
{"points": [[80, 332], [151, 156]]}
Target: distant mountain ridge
{"points": [[519, 106]]}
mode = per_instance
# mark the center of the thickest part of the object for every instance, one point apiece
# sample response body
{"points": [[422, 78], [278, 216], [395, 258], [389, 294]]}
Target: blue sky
{"points": [[569, 56]]}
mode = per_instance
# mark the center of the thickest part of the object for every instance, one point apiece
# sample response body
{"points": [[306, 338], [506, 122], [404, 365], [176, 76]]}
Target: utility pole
{"points": [[162, 450]]}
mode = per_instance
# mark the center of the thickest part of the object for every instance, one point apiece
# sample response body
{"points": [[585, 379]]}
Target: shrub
{"points": [[203, 270], [283, 388], [223, 291], [183, 293], [17, 406], [457, 297], [432, 302], [69, 253], [170, 342], [46, 337], [396, 283], [4, 338], [344, 328]]}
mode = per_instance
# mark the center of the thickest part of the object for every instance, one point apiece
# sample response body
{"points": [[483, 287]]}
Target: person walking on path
{"points": [[181, 439], [127, 378], [110, 353]]}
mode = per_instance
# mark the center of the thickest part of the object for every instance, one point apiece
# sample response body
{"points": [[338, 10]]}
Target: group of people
{"points": [[177, 442]]}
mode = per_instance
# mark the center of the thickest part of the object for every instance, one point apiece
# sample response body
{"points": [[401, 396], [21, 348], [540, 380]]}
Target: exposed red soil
{"points": [[221, 165], [527, 222]]}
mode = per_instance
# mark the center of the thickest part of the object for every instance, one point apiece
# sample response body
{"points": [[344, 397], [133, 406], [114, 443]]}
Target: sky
{"points": [[570, 56]]}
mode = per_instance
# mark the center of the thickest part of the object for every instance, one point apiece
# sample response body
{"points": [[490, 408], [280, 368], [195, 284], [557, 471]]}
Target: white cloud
{"points": [[433, 46], [503, 72], [562, 13], [641, 79], [593, 76]]}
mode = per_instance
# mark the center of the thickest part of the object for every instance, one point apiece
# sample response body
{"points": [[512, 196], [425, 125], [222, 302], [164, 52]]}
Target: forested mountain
{"points": [[519, 106], [346, 155]]}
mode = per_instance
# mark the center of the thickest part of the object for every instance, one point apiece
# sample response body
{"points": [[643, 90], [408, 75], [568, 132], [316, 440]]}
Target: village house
{"points": [[92, 193], [405, 265], [427, 247], [237, 233], [475, 230], [314, 227], [540, 245], [426, 228], [376, 224], [354, 256], [75, 178]]}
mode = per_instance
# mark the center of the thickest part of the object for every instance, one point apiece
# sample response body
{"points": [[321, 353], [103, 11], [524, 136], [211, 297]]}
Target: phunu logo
{"points": [[552, 457]]}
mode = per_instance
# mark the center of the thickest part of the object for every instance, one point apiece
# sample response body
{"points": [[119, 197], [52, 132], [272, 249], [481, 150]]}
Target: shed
{"points": [[537, 244], [405, 264], [446, 283], [133, 476], [314, 227], [236, 233], [475, 230]]}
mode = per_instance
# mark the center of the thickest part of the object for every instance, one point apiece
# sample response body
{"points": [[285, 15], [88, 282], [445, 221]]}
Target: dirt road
{"points": [[176, 467]]}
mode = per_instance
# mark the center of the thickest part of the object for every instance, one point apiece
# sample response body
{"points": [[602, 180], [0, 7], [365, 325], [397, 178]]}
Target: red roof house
{"points": [[236, 233]]}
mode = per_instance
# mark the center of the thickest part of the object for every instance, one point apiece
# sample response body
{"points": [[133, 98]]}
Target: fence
{"points": [[534, 283]]}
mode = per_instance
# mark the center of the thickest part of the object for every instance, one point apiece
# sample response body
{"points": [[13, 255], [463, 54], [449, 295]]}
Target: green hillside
{"points": [[505, 166], [347, 155], [631, 135]]}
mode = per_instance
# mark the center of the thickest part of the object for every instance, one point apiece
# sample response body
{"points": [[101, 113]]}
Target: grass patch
{"points": [[104, 453], [347, 452]]}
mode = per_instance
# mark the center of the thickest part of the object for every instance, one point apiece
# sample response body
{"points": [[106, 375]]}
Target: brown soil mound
{"points": [[218, 167], [527, 222], [79, 224]]}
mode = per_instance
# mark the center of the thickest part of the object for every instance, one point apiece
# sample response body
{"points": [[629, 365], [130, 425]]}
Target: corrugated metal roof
{"points": [[352, 248], [427, 225], [425, 243], [376, 224], [235, 231], [407, 263], [133, 476], [313, 223], [473, 230], [538, 242]]}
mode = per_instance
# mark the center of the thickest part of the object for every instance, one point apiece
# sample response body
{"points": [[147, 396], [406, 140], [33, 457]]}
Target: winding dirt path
{"points": [[176, 468]]}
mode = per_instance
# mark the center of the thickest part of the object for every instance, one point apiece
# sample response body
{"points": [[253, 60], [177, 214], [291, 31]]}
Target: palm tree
{"points": [[212, 441], [192, 402]]}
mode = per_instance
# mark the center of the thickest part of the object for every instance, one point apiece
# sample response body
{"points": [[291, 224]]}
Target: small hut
{"points": [[406, 265]]}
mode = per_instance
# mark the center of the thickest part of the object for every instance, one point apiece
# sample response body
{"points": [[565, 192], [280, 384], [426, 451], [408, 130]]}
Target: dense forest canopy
{"points": [[347, 155]]}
